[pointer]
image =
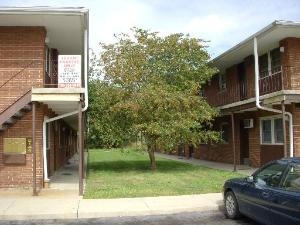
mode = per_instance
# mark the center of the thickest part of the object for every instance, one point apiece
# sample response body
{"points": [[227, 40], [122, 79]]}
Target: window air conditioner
{"points": [[248, 123]]}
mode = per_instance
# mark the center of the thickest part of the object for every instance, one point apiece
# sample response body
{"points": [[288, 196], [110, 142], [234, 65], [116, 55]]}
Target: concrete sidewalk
{"points": [[54, 204], [61, 200], [242, 169]]}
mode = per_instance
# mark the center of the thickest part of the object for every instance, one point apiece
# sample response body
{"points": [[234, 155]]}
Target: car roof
{"points": [[290, 160]]}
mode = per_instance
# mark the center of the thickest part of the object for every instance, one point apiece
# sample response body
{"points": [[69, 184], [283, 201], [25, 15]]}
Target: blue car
{"points": [[270, 196]]}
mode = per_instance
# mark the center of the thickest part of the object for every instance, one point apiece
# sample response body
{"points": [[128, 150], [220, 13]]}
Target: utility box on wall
{"points": [[15, 149]]}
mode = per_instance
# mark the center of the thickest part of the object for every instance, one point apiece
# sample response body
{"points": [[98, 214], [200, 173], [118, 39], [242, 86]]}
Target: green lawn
{"points": [[118, 174]]}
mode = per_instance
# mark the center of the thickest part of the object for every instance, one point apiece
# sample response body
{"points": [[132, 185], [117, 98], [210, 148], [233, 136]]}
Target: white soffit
{"points": [[65, 26], [267, 38]]}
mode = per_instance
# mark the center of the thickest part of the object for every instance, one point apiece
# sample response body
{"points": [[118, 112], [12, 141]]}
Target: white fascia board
{"points": [[43, 10], [258, 34]]}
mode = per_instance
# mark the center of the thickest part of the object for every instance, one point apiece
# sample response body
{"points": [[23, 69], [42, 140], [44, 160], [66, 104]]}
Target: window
{"points": [[270, 63], [224, 130], [271, 131], [292, 180], [278, 131], [271, 175], [275, 59], [266, 131], [222, 81], [263, 65]]}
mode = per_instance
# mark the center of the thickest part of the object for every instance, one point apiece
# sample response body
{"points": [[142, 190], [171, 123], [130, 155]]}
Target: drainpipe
{"points": [[86, 103], [266, 108]]}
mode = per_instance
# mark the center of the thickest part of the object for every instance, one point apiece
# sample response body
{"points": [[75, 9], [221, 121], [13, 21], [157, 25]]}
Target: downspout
{"points": [[46, 178], [266, 108]]}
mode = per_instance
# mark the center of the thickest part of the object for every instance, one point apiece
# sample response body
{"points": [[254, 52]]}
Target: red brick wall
{"points": [[220, 152], [21, 175], [22, 53], [22, 56], [270, 152], [258, 154], [291, 62], [254, 143]]}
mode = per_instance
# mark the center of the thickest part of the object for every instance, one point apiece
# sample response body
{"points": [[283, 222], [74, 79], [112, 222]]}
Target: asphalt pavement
{"points": [[186, 218]]}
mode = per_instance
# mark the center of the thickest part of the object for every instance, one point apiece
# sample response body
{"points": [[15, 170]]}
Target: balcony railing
{"points": [[271, 81], [279, 78]]}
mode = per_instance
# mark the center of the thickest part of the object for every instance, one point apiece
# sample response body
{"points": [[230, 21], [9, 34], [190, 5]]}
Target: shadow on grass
{"points": [[141, 166]]}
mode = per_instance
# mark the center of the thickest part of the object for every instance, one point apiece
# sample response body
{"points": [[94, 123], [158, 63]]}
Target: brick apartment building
{"points": [[42, 110], [251, 119]]}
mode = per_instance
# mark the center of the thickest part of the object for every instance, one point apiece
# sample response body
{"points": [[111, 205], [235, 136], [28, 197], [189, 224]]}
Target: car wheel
{"points": [[231, 206]]}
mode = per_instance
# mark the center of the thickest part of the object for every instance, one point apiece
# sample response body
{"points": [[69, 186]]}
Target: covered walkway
{"points": [[67, 177]]}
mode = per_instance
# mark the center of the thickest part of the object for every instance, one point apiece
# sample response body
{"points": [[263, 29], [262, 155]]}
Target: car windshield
{"points": [[292, 179], [271, 175]]}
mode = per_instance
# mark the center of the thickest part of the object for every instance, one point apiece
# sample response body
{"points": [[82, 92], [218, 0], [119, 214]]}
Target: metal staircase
{"points": [[15, 111]]}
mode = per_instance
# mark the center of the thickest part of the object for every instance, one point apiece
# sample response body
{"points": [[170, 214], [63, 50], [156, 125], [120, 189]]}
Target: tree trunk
{"points": [[151, 150]]}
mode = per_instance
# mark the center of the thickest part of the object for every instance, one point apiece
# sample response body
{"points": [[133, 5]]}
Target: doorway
{"points": [[242, 80], [244, 144]]}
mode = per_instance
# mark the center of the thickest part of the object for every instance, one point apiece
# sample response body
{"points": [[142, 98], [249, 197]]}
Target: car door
{"points": [[255, 196], [285, 201]]}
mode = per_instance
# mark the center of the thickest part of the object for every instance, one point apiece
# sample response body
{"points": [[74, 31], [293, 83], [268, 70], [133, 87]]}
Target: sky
{"points": [[222, 23]]}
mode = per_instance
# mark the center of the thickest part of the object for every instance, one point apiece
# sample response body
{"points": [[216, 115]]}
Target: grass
{"points": [[126, 173]]}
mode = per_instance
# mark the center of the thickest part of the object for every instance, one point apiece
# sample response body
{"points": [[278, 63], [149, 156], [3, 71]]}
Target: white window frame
{"points": [[272, 130], [270, 63]]}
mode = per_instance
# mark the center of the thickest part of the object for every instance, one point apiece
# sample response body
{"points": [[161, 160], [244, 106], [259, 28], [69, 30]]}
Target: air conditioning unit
{"points": [[248, 123]]}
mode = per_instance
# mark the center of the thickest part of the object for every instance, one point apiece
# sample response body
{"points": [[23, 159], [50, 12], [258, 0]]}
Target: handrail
{"points": [[15, 107], [13, 76], [274, 71], [18, 84]]}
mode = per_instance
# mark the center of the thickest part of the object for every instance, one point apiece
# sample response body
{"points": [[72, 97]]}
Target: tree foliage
{"points": [[160, 78], [107, 128]]}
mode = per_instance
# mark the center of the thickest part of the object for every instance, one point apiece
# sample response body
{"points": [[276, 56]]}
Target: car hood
{"points": [[235, 181]]}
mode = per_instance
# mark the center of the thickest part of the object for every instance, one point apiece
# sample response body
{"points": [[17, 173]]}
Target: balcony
{"points": [[279, 78], [271, 81]]}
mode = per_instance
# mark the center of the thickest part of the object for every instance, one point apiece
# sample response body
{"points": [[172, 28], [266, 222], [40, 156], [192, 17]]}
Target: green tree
{"points": [[107, 128], [160, 78]]}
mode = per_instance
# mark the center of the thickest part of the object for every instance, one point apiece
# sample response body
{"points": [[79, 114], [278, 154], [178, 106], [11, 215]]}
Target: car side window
{"points": [[292, 180], [271, 175]]}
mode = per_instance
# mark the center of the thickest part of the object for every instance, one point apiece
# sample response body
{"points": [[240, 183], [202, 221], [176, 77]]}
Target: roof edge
{"points": [[257, 34], [43, 9]]}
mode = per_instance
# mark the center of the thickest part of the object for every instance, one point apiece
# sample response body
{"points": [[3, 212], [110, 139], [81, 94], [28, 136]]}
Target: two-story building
{"points": [[43, 85], [257, 91]]}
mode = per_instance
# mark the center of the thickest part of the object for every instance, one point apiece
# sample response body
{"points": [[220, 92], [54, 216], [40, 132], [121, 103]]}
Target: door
{"points": [[244, 144], [242, 80]]}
